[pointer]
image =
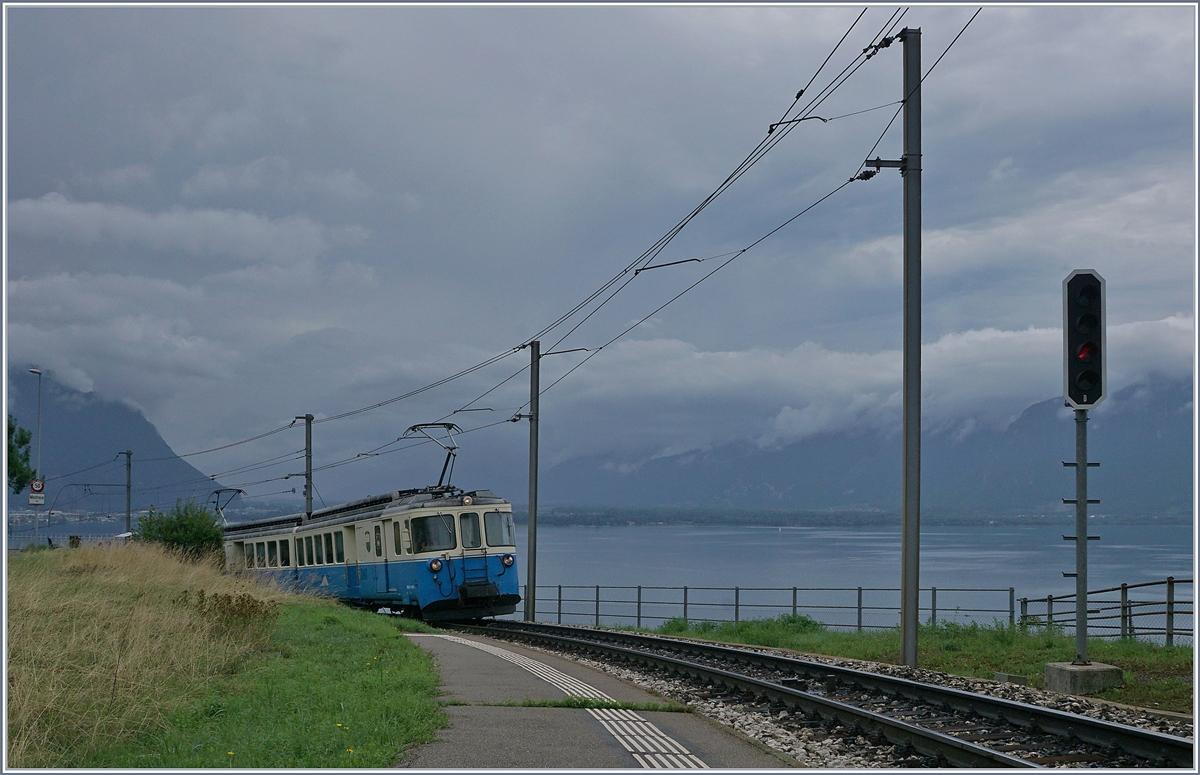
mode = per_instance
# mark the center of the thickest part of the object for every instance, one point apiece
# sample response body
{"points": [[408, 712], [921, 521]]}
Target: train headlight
{"points": [[508, 560], [467, 500], [435, 565]]}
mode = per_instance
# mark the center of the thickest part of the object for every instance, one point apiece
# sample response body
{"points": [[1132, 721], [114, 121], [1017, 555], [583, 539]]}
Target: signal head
{"points": [[1084, 369]]}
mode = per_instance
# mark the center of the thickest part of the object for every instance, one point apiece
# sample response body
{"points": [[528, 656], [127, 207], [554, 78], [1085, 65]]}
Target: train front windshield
{"points": [[433, 534], [498, 525]]}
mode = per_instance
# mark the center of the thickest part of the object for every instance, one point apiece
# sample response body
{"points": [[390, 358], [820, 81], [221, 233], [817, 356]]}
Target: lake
{"points": [[1029, 559]]}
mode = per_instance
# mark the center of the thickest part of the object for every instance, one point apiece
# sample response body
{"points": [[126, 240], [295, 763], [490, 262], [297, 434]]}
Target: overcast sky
{"points": [[227, 217]]}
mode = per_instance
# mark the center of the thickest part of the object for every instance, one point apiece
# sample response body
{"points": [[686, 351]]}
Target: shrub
{"points": [[188, 528]]}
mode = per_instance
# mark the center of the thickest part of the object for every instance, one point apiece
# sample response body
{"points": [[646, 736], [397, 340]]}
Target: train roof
{"points": [[425, 497]]}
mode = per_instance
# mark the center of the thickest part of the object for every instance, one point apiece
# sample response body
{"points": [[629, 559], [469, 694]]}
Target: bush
{"points": [[188, 528]]}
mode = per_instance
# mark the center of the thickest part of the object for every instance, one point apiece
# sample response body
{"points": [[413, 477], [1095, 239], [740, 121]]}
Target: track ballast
{"points": [[927, 723]]}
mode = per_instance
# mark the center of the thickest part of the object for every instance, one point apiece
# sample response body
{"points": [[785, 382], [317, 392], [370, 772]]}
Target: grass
{"points": [[129, 657], [1155, 676]]}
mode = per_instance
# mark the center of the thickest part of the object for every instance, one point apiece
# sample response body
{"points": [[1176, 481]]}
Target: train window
{"points": [[320, 550], [396, 535], [272, 554], [248, 549], [337, 544], [285, 553], [308, 552], [430, 534], [469, 523], [499, 528], [260, 554], [329, 548], [378, 542]]}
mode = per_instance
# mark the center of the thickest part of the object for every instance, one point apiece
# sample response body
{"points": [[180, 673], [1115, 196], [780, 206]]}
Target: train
{"points": [[436, 553]]}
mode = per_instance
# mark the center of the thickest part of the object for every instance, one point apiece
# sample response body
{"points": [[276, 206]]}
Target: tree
{"points": [[188, 527], [19, 472]]}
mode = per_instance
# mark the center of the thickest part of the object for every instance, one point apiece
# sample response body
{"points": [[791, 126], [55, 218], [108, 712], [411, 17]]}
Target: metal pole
{"points": [[910, 540], [597, 605], [1024, 611], [1081, 536], [933, 605], [1170, 611], [1124, 610], [639, 611], [793, 601], [1049, 613], [685, 616], [535, 356], [308, 488], [560, 603], [128, 487], [38, 470], [737, 603], [859, 609], [1012, 606]]}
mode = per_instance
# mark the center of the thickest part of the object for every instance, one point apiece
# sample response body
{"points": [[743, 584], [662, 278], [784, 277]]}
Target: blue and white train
{"points": [[437, 553]]}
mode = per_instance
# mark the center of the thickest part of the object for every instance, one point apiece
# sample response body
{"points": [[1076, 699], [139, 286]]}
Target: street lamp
{"points": [[38, 469]]}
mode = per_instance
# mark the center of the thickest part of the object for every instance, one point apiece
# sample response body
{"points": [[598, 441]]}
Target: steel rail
{"points": [[943, 747], [1157, 747]]}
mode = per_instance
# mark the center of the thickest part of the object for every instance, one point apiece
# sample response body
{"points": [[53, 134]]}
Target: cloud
{"points": [[274, 174], [196, 233]]}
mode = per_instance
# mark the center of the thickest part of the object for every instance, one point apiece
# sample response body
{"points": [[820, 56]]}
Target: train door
{"points": [[472, 551], [365, 550], [390, 569], [378, 557], [345, 542]]}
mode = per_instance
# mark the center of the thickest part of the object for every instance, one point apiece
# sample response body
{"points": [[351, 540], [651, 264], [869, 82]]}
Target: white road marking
{"points": [[650, 746]]}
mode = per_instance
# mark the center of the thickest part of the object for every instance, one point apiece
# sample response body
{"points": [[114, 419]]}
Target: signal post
{"points": [[1085, 378]]}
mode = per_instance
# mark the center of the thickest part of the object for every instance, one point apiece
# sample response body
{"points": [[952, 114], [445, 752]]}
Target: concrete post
{"points": [[531, 535]]}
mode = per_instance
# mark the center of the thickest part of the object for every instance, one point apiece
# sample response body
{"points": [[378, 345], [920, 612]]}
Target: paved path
{"points": [[484, 733]]}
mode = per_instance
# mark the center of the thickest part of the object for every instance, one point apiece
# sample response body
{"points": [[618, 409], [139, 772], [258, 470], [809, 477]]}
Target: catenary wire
{"points": [[752, 159]]}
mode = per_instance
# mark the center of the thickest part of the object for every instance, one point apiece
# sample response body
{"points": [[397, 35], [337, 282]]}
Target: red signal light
{"points": [[1087, 351]]}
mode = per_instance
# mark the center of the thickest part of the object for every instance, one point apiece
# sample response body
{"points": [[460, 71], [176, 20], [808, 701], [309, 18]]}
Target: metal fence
{"points": [[57, 540], [857, 608], [1154, 611]]}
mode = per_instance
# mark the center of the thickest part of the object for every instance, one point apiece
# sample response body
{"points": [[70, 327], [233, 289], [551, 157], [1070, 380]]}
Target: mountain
{"points": [[1142, 436], [81, 430]]}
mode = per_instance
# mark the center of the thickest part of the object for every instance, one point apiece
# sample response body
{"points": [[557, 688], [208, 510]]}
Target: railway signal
{"points": [[1084, 373]]}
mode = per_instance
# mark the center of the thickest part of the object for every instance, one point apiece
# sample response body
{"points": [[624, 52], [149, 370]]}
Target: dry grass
{"points": [[104, 641]]}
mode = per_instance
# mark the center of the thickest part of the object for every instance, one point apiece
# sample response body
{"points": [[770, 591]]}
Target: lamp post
{"points": [[38, 468]]}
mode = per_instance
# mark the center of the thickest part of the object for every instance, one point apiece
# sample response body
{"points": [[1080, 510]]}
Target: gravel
{"points": [[811, 747]]}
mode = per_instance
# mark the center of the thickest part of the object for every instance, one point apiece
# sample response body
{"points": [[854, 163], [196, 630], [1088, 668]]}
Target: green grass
{"points": [[336, 687], [1155, 676]]}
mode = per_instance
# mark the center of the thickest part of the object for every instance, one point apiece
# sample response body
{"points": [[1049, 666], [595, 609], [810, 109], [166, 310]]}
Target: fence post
{"points": [[639, 615], [1124, 610], [1024, 611], [859, 609], [737, 603], [1170, 610], [933, 605], [685, 616], [560, 603], [1049, 612], [597, 605], [1012, 606], [793, 601]]}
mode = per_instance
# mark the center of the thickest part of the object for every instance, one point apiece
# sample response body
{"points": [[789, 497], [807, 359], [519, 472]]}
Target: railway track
{"points": [[929, 724]]}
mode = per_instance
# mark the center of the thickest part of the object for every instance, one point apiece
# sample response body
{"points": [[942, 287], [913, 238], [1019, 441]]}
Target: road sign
{"points": [[37, 499], [37, 485]]}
